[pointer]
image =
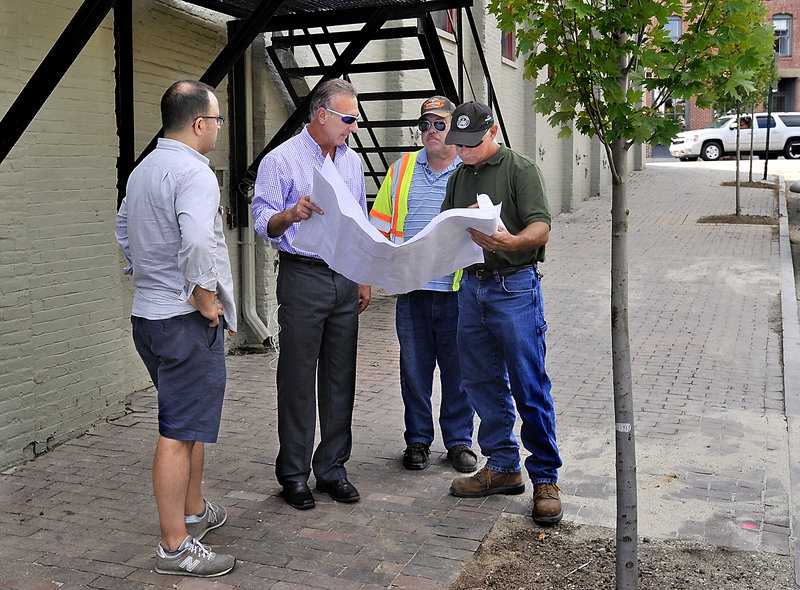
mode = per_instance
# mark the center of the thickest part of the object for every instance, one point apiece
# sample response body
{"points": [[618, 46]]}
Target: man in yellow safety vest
{"points": [[409, 198]]}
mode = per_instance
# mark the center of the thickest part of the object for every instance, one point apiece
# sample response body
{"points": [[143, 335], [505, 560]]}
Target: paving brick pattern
{"points": [[711, 436]]}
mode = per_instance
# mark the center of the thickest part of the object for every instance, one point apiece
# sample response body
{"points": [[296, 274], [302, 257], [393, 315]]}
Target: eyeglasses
{"points": [[220, 120], [461, 145], [346, 119], [438, 125]]}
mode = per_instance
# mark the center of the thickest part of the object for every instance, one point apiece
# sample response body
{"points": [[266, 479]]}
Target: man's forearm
{"points": [[279, 223]]}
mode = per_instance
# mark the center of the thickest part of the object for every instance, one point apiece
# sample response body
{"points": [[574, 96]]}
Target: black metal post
{"points": [[123, 92], [237, 134], [460, 54], [49, 73], [231, 53], [769, 126]]}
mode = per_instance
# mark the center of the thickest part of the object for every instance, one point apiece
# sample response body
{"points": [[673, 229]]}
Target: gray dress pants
{"points": [[318, 317]]}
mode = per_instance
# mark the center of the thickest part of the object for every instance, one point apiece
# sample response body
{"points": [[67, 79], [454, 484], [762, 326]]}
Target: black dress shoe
{"points": [[340, 490], [297, 495]]}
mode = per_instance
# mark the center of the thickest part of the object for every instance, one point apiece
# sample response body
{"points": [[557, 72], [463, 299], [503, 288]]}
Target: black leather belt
{"points": [[302, 259], [500, 272]]}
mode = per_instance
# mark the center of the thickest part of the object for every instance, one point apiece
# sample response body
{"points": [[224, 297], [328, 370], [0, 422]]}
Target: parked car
{"points": [[719, 139]]}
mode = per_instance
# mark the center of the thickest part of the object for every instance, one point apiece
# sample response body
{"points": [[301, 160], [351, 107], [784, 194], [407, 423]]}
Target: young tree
{"points": [[601, 56], [748, 96]]}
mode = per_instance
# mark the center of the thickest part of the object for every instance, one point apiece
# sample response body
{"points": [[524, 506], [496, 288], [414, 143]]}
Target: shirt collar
{"points": [[309, 141], [422, 158], [179, 146]]}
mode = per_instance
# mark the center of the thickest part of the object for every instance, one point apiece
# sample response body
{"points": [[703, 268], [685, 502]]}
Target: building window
{"points": [[782, 23], [673, 27], [445, 20], [508, 45], [670, 107]]}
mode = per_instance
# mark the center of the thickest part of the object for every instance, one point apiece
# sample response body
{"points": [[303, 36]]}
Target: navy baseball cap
{"points": [[471, 120]]}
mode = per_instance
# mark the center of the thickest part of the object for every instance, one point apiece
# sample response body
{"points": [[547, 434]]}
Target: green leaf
{"points": [[725, 52]]}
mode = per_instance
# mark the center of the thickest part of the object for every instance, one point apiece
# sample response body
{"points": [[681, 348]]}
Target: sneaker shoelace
{"points": [[197, 548], [212, 513]]}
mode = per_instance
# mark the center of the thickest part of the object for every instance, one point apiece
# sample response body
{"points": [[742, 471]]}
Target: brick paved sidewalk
{"points": [[711, 434]]}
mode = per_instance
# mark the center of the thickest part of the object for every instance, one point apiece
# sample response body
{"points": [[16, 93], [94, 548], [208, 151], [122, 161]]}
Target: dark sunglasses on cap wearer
{"points": [[346, 119], [438, 125], [462, 145]]}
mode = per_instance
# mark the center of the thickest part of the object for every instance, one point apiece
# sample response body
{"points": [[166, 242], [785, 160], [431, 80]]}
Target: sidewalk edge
{"points": [[791, 370]]}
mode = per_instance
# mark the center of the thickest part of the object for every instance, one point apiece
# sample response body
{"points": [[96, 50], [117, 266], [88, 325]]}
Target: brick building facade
{"points": [[784, 16]]}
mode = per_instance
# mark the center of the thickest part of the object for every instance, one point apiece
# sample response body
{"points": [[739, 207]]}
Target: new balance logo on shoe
{"points": [[189, 563], [193, 559]]}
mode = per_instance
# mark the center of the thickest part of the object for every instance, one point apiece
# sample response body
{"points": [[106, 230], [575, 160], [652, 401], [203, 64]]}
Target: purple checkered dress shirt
{"points": [[286, 174]]}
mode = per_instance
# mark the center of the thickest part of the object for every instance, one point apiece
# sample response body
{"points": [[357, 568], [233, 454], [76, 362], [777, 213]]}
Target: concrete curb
{"points": [[791, 369]]}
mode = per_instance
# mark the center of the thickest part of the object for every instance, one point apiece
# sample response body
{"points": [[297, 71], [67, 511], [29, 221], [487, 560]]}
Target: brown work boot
{"points": [[546, 503], [487, 482]]}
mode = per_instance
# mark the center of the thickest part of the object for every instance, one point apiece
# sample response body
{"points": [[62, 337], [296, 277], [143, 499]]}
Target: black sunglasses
{"points": [[463, 145], [438, 125]]}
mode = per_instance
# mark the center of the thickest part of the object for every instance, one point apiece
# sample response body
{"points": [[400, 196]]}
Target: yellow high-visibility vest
{"points": [[390, 208]]}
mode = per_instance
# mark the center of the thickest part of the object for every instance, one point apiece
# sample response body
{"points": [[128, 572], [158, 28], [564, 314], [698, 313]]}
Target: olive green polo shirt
{"points": [[514, 180]]}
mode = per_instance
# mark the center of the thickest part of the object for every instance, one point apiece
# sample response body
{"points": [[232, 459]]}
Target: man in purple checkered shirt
{"points": [[318, 307]]}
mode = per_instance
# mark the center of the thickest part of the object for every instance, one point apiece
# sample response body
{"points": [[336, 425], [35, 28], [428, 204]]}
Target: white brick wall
{"points": [[57, 285], [69, 360]]}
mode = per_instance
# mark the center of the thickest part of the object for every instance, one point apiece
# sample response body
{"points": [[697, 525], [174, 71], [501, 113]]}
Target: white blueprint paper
{"points": [[352, 246]]}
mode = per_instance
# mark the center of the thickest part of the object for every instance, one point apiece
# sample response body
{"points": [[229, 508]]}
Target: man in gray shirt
{"points": [[170, 229]]}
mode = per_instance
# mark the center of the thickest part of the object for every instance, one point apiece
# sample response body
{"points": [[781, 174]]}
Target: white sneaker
{"points": [[193, 559], [214, 517]]}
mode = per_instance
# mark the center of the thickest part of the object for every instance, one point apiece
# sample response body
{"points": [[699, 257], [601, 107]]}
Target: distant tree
{"points": [[744, 96], [596, 59]]}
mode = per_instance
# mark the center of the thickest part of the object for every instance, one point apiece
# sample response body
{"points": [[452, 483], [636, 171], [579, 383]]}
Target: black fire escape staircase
{"points": [[336, 32], [333, 44], [376, 155], [336, 49]]}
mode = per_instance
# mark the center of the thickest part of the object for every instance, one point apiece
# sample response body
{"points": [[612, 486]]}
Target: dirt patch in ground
{"points": [[740, 219], [753, 184], [519, 555]]}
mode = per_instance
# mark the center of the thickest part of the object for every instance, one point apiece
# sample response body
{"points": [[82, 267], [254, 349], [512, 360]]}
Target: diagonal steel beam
{"points": [[435, 57], [245, 34], [337, 69], [492, 101], [61, 56], [231, 53]]}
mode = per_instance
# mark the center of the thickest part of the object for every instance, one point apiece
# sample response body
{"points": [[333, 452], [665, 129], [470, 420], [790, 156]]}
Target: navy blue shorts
{"points": [[186, 361]]}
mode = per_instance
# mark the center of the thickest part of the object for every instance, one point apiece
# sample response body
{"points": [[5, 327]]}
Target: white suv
{"points": [[719, 138]]}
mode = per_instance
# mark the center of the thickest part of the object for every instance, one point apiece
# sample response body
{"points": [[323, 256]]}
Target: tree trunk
{"points": [[627, 577], [738, 155], [752, 137]]}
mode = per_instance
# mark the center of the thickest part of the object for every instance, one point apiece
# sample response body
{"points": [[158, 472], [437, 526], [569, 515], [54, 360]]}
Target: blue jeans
{"points": [[426, 328], [501, 342]]}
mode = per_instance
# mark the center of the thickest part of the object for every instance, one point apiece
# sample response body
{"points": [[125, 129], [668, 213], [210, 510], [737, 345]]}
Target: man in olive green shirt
{"points": [[501, 325]]}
